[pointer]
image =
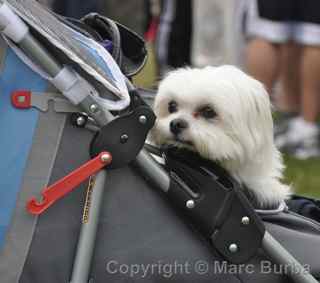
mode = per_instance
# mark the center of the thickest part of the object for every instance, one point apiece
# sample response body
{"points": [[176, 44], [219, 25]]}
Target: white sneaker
{"points": [[301, 139]]}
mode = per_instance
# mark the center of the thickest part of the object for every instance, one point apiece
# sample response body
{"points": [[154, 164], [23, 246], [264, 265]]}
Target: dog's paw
{"points": [[269, 193]]}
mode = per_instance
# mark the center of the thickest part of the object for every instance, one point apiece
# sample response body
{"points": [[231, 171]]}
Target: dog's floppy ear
{"points": [[262, 104], [253, 109], [262, 101], [260, 120]]}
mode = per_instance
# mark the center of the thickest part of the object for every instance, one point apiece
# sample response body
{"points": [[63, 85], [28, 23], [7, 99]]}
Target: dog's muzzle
{"points": [[178, 125]]}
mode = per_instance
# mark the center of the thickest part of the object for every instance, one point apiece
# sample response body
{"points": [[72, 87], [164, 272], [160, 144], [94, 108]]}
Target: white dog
{"points": [[224, 115]]}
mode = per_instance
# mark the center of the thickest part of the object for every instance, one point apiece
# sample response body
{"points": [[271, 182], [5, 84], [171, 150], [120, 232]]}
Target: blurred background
{"points": [[277, 42]]}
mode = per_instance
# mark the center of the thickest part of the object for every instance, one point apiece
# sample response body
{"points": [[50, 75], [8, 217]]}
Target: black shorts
{"points": [[280, 21]]}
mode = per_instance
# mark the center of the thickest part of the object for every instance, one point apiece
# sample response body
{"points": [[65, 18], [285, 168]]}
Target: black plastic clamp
{"points": [[124, 136], [215, 205]]}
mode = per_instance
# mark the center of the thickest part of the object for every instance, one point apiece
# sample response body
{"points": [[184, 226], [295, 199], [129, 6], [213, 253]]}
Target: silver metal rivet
{"points": [[190, 204], [105, 157], [233, 248], [143, 119], [245, 220], [124, 138], [94, 108], [81, 121]]}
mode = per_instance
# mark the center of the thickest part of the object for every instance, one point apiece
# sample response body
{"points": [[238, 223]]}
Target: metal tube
{"points": [[281, 256], [39, 55], [152, 170], [86, 242], [36, 52]]}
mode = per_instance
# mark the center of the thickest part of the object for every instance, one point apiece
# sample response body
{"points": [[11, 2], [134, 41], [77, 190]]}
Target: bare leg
{"points": [[289, 97], [310, 74], [301, 139], [263, 61]]}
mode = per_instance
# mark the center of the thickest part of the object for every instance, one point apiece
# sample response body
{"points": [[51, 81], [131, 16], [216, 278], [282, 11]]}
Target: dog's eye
{"points": [[172, 106], [207, 112]]}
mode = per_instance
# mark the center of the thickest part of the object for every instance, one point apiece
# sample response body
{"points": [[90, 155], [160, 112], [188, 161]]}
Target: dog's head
{"points": [[225, 116], [220, 112]]}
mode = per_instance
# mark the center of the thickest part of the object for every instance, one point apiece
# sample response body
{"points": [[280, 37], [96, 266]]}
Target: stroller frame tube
{"points": [[281, 256], [85, 247], [82, 261], [80, 274], [36, 52], [39, 55]]}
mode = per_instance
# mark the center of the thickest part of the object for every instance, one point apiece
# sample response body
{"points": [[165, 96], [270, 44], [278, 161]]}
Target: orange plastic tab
{"points": [[67, 184]]}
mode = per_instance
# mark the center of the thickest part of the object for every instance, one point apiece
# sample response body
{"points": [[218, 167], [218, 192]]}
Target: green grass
{"points": [[303, 175]]}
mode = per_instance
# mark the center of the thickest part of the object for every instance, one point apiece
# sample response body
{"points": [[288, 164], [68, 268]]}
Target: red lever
{"points": [[68, 183], [21, 99]]}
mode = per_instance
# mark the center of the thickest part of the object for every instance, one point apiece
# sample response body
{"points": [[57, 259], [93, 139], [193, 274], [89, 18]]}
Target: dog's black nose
{"points": [[178, 125]]}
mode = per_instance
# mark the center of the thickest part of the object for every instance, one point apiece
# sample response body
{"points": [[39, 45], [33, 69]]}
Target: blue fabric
{"points": [[304, 206], [17, 130], [95, 56]]}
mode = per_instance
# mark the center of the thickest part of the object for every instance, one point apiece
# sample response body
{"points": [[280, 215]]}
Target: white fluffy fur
{"points": [[240, 137]]}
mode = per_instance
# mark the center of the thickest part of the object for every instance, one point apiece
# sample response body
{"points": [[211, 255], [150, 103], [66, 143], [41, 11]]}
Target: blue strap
{"points": [[17, 129]]}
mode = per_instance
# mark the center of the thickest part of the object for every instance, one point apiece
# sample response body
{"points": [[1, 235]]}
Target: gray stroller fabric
{"points": [[137, 227]]}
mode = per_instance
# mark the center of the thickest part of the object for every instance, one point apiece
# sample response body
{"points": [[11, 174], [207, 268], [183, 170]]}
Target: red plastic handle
{"points": [[21, 99], [68, 183]]}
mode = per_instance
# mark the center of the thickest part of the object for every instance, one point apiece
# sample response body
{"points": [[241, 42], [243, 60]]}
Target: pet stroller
{"points": [[119, 217]]}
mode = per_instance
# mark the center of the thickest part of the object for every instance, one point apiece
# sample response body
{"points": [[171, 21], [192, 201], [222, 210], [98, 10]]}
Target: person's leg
{"points": [[288, 99], [267, 28], [303, 132], [310, 74], [263, 61], [302, 137], [287, 93]]}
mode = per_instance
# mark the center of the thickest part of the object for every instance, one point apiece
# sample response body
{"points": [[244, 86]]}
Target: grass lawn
{"points": [[304, 175]]}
